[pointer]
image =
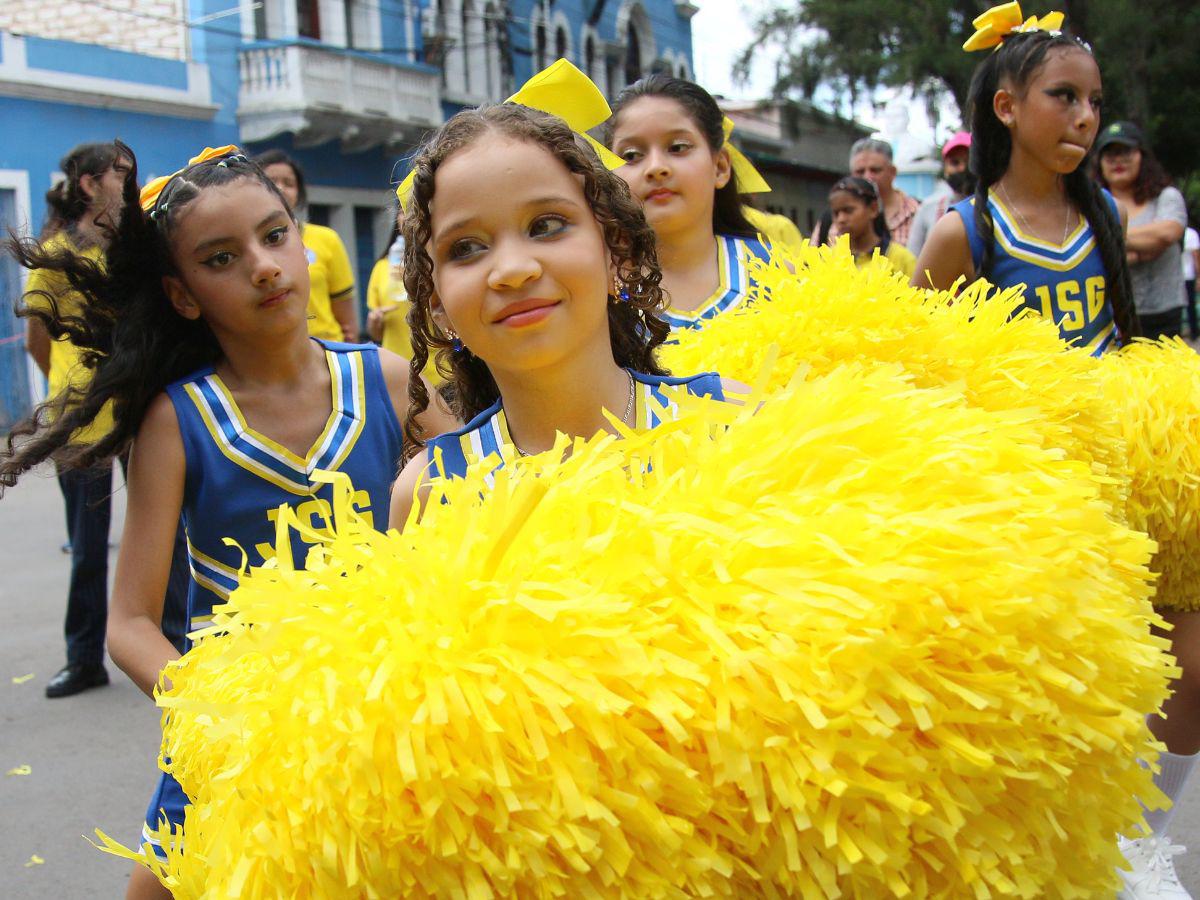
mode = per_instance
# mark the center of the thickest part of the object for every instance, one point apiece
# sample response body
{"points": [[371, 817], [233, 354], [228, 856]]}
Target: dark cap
{"points": [[1120, 133]]}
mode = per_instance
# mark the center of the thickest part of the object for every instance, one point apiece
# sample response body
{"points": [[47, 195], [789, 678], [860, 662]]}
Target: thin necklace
{"points": [[1024, 224], [624, 418]]}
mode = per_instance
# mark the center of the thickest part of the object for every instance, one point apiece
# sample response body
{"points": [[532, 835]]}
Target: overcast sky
{"points": [[719, 33]]}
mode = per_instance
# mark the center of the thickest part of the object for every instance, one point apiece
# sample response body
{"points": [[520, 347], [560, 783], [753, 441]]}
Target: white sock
{"points": [[1175, 770]]}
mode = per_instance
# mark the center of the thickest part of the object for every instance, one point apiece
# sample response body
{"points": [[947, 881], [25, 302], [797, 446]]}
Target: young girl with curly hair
{"points": [[533, 275]]}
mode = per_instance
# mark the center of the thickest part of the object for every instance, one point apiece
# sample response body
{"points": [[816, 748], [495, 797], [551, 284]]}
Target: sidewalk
{"points": [[92, 756]]}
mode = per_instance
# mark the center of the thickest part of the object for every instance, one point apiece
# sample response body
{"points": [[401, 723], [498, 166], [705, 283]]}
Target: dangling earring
{"points": [[618, 289], [456, 345]]}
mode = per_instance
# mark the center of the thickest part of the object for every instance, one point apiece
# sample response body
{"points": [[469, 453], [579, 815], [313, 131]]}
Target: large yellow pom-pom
{"points": [[864, 641], [1134, 416]]}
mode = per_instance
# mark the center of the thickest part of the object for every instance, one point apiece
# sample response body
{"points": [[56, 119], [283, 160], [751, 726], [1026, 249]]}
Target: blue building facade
{"points": [[348, 87]]}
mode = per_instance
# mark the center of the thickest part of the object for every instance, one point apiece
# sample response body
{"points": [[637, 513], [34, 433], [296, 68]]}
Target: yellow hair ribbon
{"points": [[999, 22], [155, 186], [749, 181], [563, 91]]}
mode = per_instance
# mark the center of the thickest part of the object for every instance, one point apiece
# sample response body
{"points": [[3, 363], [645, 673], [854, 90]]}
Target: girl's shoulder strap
{"points": [[966, 210], [344, 347], [375, 389], [760, 248], [751, 246], [185, 396], [178, 387], [704, 384], [452, 460]]}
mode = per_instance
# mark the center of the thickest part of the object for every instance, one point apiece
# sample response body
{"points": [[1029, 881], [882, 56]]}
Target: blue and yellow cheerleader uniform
{"points": [[1066, 283], [236, 479], [733, 284], [487, 434]]}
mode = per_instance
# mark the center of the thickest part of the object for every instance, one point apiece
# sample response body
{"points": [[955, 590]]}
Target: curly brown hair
{"points": [[635, 323]]}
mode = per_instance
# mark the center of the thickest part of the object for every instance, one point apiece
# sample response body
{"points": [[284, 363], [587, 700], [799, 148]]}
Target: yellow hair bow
{"points": [[154, 187], [563, 91], [748, 179], [999, 22]]}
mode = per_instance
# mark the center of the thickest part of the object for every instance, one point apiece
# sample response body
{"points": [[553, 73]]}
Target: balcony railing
{"points": [[321, 93]]}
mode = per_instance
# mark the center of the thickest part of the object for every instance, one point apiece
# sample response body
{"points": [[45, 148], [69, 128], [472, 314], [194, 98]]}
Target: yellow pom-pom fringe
{"points": [[862, 640], [1156, 389], [1134, 416]]}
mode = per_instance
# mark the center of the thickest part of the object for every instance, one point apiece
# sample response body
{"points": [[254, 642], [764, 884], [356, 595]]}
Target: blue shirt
{"points": [[487, 434], [237, 478], [733, 282], [1063, 282]]}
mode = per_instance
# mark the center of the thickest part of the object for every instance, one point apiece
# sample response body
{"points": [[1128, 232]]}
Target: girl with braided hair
{"points": [[196, 330], [858, 212], [1037, 217]]}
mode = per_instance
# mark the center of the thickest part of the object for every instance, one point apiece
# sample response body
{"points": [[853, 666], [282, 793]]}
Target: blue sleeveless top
{"points": [[1066, 283], [733, 282], [236, 478], [487, 433]]}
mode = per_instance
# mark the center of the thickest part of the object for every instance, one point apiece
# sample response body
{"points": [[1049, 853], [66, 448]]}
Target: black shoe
{"points": [[74, 679]]}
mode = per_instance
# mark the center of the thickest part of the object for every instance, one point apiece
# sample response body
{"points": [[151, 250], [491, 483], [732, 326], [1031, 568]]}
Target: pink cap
{"points": [[959, 139]]}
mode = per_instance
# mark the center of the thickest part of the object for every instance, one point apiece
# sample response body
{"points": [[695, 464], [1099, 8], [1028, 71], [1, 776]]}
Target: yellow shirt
{"points": [[329, 274], [897, 254], [383, 293], [775, 228], [66, 360]]}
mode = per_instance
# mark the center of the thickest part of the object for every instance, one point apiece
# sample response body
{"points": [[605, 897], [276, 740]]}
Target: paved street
{"points": [[92, 756]]}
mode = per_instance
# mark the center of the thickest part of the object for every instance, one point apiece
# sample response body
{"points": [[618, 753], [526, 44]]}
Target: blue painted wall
{"points": [[328, 166], [671, 31], [38, 134], [101, 62], [396, 45], [917, 184]]}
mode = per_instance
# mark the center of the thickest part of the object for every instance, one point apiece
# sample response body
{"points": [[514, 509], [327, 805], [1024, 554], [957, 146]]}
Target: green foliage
{"points": [[854, 46], [1145, 48]]}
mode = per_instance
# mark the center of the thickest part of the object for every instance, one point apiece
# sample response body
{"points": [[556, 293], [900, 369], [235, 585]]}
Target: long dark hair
{"points": [[1015, 62], [824, 226], [67, 201], [131, 338], [1152, 178], [635, 325], [865, 191], [701, 108]]}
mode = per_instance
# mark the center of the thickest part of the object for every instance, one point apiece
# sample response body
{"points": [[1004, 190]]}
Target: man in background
{"points": [[872, 159]]}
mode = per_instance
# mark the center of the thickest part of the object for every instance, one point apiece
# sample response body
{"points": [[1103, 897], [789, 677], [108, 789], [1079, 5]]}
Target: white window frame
{"points": [[17, 181]]}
